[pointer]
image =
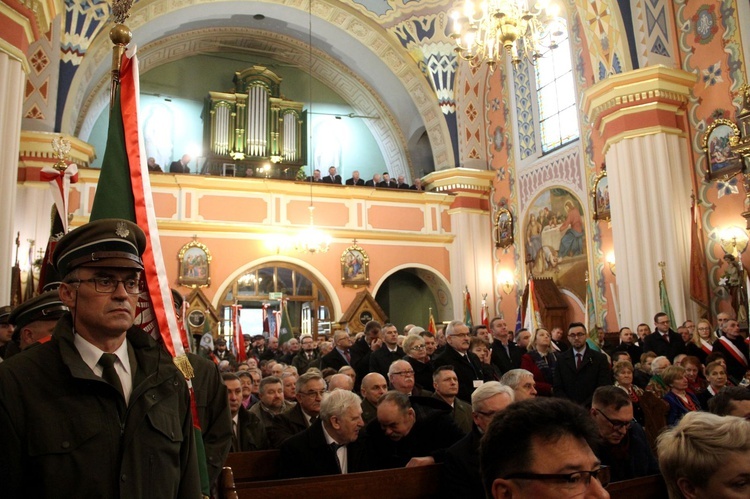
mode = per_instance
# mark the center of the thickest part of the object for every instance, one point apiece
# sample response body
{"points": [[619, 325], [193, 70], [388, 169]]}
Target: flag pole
{"points": [[120, 36]]}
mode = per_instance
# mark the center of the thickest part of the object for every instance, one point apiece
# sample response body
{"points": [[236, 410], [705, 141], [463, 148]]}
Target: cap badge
{"points": [[122, 230]]}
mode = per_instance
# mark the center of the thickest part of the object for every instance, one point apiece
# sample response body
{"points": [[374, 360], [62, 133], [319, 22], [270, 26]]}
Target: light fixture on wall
{"points": [[482, 31], [611, 261], [733, 240], [506, 280]]}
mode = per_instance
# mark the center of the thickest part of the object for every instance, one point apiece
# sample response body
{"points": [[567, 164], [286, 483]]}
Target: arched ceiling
{"points": [[367, 59]]}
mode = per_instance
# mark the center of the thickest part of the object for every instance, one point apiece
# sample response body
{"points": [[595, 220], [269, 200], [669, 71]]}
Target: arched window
{"points": [[308, 304]]}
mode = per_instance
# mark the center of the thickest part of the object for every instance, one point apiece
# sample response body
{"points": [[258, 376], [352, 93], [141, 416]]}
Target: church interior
{"points": [[514, 156]]}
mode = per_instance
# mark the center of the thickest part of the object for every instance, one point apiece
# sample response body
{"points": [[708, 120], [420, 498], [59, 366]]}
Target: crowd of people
{"points": [[532, 414], [377, 180]]}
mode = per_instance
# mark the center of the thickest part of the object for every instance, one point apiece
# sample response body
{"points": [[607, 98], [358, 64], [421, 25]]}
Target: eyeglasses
{"points": [[574, 481], [313, 393], [617, 425], [418, 347], [109, 285], [576, 335], [663, 322], [407, 374]]}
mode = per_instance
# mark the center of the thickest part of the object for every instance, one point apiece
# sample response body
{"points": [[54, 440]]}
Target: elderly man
{"points": [[383, 357], [663, 341], [624, 448], [734, 349], [462, 477], [521, 382], [340, 356], [99, 384], [401, 377], [310, 390], [580, 370], [445, 382], [410, 431], [330, 445], [35, 319], [505, 354], [373, 387], [355, 180], [247, 430], [721, 319], [544, 437], [467, 365], [522, 339], [341, 381], [289, 384], [181, 165], [292, 349], [306, 356]]}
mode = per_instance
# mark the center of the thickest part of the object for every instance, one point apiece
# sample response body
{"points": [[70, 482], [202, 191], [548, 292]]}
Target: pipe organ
{"points": [[253, 130]]}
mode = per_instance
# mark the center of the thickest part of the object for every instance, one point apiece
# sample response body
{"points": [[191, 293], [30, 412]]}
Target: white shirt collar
{"points": [[91, 354]]}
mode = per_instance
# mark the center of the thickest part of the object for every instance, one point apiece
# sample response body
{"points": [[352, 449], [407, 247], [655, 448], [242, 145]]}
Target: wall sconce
{"points": [[733, 240], [506, 280], [611, 262]]}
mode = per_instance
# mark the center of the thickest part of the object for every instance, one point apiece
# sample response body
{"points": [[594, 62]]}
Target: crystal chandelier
{"points": [[483, 29], [312, 240]]}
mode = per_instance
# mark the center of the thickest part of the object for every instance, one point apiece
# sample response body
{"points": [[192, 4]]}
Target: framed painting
{"points": [[355, 266], [600, 193], [721, 161], [194, 260], [503, 228]]}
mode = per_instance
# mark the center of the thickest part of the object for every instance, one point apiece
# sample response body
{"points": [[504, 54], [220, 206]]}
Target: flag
{"points": [[29, 293], [531, 319], [238, 339], [124, 191], [286, 323], [266, 321], [698, 269], [590, 321], [431, 323], [666, 307], [467, 309], [16, 288], [276, 326], [484, 317], [49, 278], [519, 320]]}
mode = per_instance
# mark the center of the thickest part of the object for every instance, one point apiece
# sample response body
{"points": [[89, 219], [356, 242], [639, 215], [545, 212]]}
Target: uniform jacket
{"points": [[579, 385], [61, 434]]}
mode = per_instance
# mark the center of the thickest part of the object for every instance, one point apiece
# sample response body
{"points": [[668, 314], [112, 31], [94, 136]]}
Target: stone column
{"points": [[641, 117]]}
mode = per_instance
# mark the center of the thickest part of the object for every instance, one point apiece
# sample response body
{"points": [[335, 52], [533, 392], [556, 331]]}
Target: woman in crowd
{"points": [[706, 457], [416, 355], [680, 400], [696, 383], [656, 384], [642, 374], [702, 343], [481, 349], [623, 372], [541, 361], [716, 374]]}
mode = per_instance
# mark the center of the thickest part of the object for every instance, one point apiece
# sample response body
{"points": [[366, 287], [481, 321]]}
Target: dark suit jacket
{"points": [[352, 182], [579, 385], [655, 343], [250, 432], [461, 477], [501, 360], [422, 372], [307, 454], [633, 350], [370, 183], [381, 359], [328, 180], [468, 369], [391, 184], [302, 363], [333, 359], [404, 186], [177, 167], [286, 425], [360, 353]]}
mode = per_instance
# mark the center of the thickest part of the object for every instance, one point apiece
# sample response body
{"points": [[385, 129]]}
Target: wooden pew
{"points": [[399, 483], [649, 487], [254, 466]]}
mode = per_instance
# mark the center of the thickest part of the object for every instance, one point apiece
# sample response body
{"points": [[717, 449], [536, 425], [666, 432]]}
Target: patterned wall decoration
{"points": [[605, 34], [653, 32], [524, 110], [40, 94], [471, 100], [711, 46], [563, 169]]}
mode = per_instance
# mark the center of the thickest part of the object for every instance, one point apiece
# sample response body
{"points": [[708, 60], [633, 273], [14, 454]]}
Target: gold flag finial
{"points": [[120, 36], [61, 147]]}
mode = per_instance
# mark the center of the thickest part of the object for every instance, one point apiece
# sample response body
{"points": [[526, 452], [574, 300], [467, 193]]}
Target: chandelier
{"points": [[312, 240], [483, 29]]}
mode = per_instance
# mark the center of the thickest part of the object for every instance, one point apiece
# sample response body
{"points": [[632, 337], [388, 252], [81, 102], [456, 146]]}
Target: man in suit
{"points": [[467, 365], [721, 319], [307, 355], [362, 350], [557, 339], [445, 382], [329, 446], [247, 430], [505, 354], [389, 352], [580, 370], [461, 469], [355, 180], [375, 182], [374, 386], [315, 177], [340, 355], [310, 389], [402, 184], [417, 185], [664, 341], [332, 177], [388, 181], [181, 165], [627, 344]]}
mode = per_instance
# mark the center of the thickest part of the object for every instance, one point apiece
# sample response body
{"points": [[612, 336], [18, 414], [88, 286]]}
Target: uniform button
{"points": [[65, 444], [124, 477]]}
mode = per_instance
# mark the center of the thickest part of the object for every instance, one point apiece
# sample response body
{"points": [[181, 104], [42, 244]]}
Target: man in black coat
{"points": [[580, 370], [362, 350], [388, 181], [329, 446], [664, 341], [332, 177], [505, 354], [467, 365], [309, 393], [389, 352], [247, 430], [355, 180], [627, 344], [181, 165], [306, 356], [340, 355]]}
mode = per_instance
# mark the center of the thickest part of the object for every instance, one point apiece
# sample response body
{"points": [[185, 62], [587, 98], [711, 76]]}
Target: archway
{"points": [[408, 294]]}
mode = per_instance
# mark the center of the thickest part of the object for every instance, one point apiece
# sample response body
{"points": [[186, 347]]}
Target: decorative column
{"points": [[471, 250], [641, 117]]}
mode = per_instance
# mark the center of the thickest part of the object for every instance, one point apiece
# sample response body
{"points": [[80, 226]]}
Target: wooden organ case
{"points": [[254, 130]]}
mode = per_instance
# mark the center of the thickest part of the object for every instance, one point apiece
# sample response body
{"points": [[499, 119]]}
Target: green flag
{"points": [[666, 307], [285, 331]]}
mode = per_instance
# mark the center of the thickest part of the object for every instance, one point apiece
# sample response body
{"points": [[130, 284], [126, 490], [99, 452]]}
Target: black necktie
{"points": [[579, 360], [235, 439], [335, 447], [109, 374]]}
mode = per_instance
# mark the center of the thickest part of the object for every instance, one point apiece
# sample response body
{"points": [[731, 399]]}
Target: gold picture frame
{"points": [[600, 194], [355, 266], [503, 228], [721, 161], [194, 265]]}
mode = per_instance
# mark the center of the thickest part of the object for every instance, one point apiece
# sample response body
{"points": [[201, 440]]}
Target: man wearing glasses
{"points": [[664, 341], [580, 370], [542, 448], [624, 446], [310, 389], [467, 365], [101, 395]]}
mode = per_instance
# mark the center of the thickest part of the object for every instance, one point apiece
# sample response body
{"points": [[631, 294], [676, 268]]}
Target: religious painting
{"points": [[600, 193], [355, 266], [721, 161], [195, 260], [555, 240], [503, 228]]}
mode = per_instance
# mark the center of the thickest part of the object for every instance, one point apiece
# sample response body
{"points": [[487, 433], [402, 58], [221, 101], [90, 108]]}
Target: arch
{"points": [[433, 279], [343, 34]]}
